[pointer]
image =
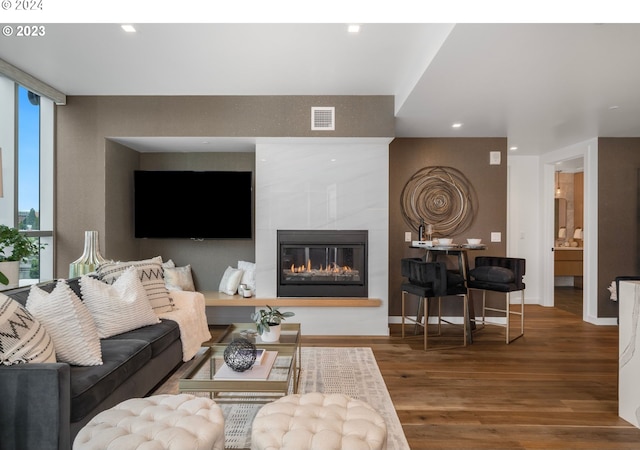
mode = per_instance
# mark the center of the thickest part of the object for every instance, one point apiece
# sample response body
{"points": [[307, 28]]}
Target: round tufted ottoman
{"points": [[158, 422], [318, 421]]}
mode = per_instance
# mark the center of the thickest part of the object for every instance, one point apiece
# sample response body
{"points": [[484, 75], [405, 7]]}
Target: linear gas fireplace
{"points": [[322, 263]]}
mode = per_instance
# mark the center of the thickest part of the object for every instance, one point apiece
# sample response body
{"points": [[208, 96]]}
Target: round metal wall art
{"points": [[240, 354], [440, 196]]}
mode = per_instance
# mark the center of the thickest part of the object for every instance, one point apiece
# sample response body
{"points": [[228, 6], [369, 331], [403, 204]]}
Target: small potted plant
{"points": [[268, 323], [14, 248]]}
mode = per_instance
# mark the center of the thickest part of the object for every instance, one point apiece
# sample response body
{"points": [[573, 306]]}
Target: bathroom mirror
{"points": [[560, 215]]}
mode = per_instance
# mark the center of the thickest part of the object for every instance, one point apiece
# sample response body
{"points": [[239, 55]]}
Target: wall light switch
{"points": [[407, 236], [496, 236], [494, 158]]}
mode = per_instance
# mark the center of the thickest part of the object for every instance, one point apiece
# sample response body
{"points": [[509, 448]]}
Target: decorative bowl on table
{"points": [[240, 354], [445, 241], [474, 241]]}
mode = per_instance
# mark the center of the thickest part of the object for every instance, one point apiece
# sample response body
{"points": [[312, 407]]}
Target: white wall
{"points": [[523, 225], [328, 184]]}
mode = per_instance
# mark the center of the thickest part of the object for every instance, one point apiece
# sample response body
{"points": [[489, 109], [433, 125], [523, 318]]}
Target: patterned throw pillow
{"points": [[151, 274], [179, 278], [230, 281], [22, 338], [69, 323], [118, 307]]}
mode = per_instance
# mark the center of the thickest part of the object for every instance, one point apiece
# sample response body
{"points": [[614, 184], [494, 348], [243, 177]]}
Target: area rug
{"points": [[352, 371]]}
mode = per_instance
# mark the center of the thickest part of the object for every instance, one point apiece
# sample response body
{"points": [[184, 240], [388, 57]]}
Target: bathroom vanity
{"points": [[568, 263]]}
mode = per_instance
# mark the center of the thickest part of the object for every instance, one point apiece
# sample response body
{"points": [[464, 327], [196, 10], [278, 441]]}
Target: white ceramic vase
{"points": [[11, 269], [273, 335]]}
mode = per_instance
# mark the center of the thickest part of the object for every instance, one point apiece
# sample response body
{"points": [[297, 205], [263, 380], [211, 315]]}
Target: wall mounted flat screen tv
{"points": [[192, 204]]}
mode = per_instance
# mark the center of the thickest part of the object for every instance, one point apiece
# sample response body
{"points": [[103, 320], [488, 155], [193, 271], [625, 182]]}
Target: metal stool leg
{"points": [[419, 314], [403, 294]]}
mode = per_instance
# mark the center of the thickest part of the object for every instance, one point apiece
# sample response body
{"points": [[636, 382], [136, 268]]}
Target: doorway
{"points": [[569, 235], [588, 150]]}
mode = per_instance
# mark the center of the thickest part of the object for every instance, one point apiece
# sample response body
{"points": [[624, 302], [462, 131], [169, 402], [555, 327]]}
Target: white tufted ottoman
{"points": [[158, 422], [318, 421]]}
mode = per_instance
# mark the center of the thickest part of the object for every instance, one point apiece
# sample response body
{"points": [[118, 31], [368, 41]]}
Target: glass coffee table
{"points": [[282, 379]]}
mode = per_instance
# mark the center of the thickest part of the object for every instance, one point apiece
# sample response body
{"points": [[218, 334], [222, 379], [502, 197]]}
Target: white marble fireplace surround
{"points": [[334, 184]]}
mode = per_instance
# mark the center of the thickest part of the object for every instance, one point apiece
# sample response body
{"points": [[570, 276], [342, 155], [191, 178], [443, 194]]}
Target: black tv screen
{"points": [[192, 204]]}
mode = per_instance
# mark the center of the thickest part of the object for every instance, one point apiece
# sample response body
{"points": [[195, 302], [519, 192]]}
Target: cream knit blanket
{"points": [[190, 315]]}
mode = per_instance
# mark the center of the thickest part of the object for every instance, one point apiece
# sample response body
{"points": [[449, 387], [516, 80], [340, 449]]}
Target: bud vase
{"points": [[91, 257]]}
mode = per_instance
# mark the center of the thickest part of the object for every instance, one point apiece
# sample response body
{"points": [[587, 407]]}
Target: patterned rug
{"points": [[352, 371]]}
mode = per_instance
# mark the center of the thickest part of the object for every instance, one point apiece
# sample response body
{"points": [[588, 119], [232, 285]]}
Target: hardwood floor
{"points": [[568, 298], [554, 388]]}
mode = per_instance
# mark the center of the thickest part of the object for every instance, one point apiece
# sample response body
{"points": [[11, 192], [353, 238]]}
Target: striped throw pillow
{"points": [[69, 323]]}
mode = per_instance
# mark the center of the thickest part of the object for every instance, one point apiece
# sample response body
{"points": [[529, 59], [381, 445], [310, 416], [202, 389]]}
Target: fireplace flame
{"points": [[332, 268]]}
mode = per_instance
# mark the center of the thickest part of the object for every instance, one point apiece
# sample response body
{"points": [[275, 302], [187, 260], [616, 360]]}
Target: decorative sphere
{"points": [[240, 354]]}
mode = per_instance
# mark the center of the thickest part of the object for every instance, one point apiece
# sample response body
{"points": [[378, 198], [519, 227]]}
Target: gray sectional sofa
{"points": [[43, 406]]}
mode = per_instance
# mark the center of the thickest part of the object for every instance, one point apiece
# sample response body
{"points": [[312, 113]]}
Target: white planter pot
{"points": [[273, 335], [11, 269]]}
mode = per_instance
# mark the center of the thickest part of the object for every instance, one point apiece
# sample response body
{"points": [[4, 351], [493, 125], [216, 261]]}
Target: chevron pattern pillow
{"points": [[22, 338], [151, 274]]}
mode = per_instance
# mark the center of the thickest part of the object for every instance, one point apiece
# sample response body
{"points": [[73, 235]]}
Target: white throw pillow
{"points": [[179, 278], [230, 281], [248, 274], [22, 338], [118, 307], [151, 274], [68, 321]]}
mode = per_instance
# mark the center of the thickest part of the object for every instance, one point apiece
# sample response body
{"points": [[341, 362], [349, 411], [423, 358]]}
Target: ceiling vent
{"points": [[323, 118]]}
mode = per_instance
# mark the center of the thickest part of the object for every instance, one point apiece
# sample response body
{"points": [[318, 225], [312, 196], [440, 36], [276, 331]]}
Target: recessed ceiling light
{"points": [[353, 29], [456, 125], [613, 107], [129, 28], [513, 148], [333, 160]]}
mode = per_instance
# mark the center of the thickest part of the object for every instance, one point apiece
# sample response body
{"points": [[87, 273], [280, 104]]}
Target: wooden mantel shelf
{"points": [[212, 298]]}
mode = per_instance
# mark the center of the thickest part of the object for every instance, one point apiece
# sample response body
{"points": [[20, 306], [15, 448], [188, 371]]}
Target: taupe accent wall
{"points": [[208, 258], [120, 162], [471, 157], [93, 173], [618, 215]]}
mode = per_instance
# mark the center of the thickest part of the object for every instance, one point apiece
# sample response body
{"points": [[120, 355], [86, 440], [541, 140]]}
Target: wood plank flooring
{"points": [[554, 388], [569, 299]]}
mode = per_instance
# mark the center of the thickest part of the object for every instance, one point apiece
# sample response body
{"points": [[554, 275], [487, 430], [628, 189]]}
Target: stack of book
{"points": [[259, 371]]}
